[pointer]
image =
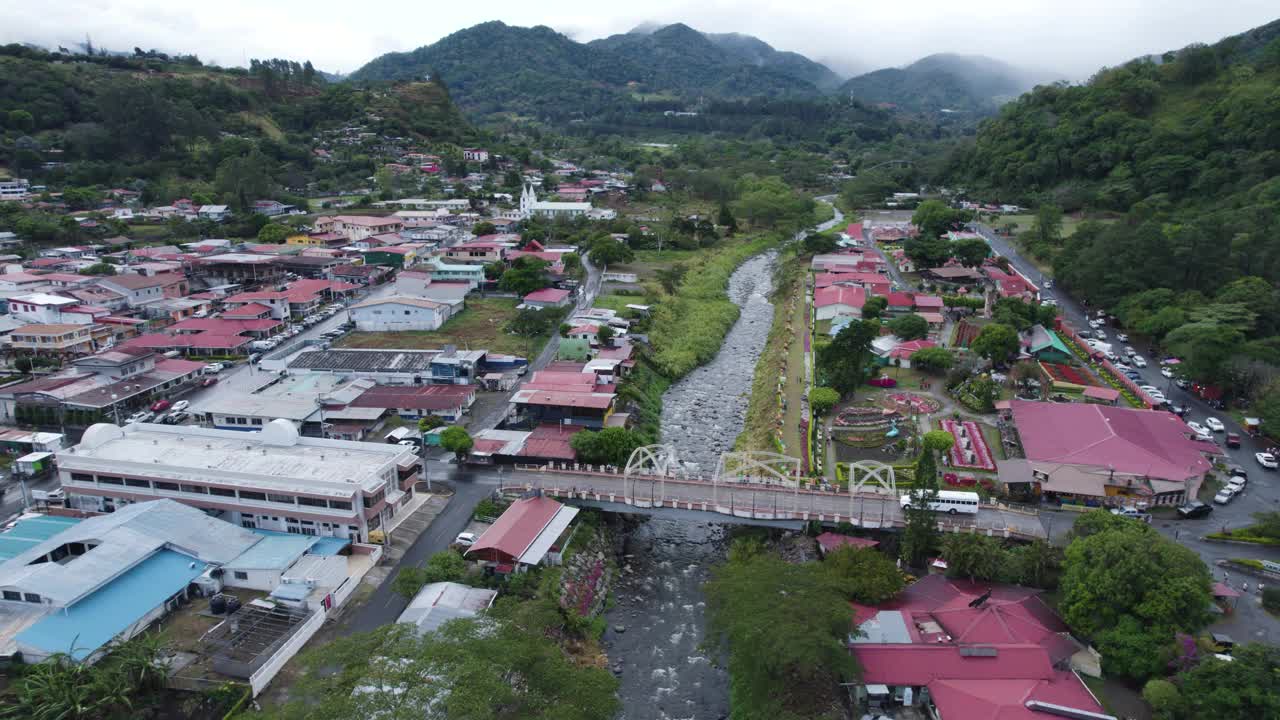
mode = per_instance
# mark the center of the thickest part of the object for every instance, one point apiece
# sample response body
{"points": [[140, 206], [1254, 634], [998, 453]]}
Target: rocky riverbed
{"points": [[703, 413], [658, 622]]}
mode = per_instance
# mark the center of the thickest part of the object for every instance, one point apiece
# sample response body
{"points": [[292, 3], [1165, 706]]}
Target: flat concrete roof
{"points": [[276, 457]]}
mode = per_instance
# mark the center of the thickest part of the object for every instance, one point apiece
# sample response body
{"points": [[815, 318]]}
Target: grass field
{"points": [[478, 327], [648, 261]]}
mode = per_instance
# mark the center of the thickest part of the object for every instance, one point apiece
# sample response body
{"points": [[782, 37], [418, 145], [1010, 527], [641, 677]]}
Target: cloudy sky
{"points": [[1073, 38]]}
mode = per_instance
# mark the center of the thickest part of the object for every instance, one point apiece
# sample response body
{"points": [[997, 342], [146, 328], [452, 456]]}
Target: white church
{"points": [[531, 206]]}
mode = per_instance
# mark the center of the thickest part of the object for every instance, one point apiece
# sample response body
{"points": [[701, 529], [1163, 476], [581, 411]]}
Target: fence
{"points": [[263, 675]]}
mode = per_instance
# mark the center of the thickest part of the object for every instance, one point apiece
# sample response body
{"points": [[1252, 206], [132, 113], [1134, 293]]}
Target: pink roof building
{"points": [[1084, 448], [839, 300]]}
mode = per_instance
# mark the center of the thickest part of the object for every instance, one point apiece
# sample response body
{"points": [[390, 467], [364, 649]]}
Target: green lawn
{"points": [[478, 327], [617, 303]]}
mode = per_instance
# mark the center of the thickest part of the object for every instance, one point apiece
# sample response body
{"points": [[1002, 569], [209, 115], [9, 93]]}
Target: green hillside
{"points": [[964, 83], [166, 121], [494, 69]]}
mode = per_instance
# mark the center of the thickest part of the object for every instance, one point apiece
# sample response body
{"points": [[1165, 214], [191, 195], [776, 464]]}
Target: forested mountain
{"points": [[967, 83], [494, 68], [751, 50], [1189, 150], [174, 122]]}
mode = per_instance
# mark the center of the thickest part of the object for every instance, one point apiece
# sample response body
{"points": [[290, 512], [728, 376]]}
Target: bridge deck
{"points": [[758, 502]]}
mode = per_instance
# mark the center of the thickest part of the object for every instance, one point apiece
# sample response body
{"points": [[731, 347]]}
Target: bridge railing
{"points": [[883, 517]]}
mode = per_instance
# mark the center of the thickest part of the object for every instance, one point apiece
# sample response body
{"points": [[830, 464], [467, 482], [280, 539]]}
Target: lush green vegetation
{"points": [[182, 129], [509, 663], [789, 666], [978, 557], [1130, 590], [1240, 689]]}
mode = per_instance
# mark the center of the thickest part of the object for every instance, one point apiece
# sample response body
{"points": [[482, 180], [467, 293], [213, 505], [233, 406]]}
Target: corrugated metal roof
{"points": [[91, 623]]}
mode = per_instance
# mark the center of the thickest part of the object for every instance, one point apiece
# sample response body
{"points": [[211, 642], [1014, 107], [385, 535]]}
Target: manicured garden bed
{"points": [[968, 430]]}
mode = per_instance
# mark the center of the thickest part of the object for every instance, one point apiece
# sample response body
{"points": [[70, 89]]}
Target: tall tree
{"points": [[846, 360], [1047, 226]]}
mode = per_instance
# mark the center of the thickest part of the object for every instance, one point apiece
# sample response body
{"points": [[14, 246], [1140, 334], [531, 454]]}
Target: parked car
{"points": [[1131, 513], [1179, 410], [1166, 372], [1214, 424], [1100, 335], [214, 368], [1085, 334], [1233, 440], [1129, 351], [1194, 509], [1095, 324], [209, 381], [1182, 383], [1223, 497], [1237, 471], [465, 539], [141, 416], [1138, 361], [1122, 337], [160, 405], [180, 406], [1133, 375], [1237, 484], [254, 358], [1266, 460]]}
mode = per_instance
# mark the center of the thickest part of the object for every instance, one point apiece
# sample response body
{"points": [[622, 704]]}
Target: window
{"points": [[11, 595], [249, 495], [109, 480], [222, 492], [31, 597], [286, 499], [200, 489], [165, 486], [340, 504], [406, 312], [257, 421], [239, 575], [82, 477], [312, 502], [137, 483]]}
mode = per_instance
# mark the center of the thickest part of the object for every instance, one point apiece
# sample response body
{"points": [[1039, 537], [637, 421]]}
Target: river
{"points": [[657, 625]]}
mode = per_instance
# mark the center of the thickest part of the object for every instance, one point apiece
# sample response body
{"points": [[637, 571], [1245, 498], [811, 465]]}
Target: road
{"points": [[1262, 493]]}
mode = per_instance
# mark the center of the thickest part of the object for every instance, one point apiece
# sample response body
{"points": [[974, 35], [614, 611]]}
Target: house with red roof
{"points": [[1110, 455], [548, 298], [482, 250], [1011, 284], [569, 398], [839, 301], [961, 650], [874, 283], [449, 402], [854, 233], [901, 355], [531, 531]]}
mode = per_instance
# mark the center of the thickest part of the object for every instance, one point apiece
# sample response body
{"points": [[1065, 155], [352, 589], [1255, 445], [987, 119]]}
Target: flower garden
{"points": [[1066, 374], [970, 449]]}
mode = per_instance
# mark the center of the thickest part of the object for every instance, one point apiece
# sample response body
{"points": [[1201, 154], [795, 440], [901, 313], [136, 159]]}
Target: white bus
{"points": [[948, 501]]}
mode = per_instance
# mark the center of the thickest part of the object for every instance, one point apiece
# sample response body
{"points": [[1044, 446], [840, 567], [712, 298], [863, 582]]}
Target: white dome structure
{"points": [[99, 434], [279, 433]]}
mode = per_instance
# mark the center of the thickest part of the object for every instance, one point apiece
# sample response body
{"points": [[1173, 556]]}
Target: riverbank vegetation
{"points": [[692, 318], [765, 410], [791, 665]]}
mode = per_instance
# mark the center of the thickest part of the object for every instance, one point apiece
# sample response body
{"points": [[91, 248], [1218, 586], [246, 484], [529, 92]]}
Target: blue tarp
{"points": [[94, 621]]}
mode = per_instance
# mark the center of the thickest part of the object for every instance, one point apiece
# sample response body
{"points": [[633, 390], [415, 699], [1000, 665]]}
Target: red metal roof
{"points": [[249, 310], [1137, 442], [547, 295], [854, 297], [922, 663], [427, 397], [515, 530], [829, 541]]}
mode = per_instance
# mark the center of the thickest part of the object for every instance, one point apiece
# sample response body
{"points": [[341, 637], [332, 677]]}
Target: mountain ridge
{"points": [[945, 81]]}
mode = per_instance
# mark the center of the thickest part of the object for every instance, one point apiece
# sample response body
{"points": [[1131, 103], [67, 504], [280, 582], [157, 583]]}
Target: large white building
{"points": [[273, 479], [531, 206], [399, 312]]}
